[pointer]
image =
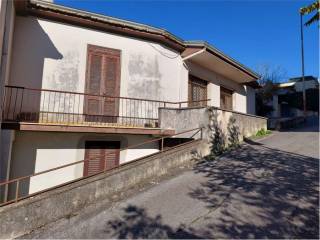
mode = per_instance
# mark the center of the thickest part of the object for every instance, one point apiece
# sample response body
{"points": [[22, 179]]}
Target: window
{"points": [[100, 155], [197, 91], [102, 78], [226, 98]]}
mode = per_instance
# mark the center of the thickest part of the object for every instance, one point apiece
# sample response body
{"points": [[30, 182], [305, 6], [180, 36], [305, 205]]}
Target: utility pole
{"points": [[302, 68]]}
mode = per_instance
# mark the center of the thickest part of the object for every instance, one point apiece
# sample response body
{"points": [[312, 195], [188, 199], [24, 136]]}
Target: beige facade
{"points": [[52, 55], [48, 54], [35, 152], [243, 96]]}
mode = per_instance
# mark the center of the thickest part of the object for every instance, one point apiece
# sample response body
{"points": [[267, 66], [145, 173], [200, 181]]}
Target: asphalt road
{"points": [[266, 189]]}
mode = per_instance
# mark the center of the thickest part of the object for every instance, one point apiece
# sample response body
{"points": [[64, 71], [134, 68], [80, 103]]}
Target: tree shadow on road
{"points": [[136, 224], [259, 192]]}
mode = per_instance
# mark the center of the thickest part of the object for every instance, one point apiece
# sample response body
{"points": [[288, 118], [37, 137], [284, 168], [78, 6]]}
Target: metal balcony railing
{"points": [[61, 107]]}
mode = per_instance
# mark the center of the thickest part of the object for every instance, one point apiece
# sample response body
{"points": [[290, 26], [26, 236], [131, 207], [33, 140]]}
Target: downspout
{"points": [[186, 66], [194, 54]]}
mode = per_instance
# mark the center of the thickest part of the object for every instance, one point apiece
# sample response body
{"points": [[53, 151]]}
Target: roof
{"points": [[306, 78], [223, 56], [100, 22]]}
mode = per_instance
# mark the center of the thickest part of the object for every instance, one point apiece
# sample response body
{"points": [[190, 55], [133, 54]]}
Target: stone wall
{"points": [[245, 125], [27, 215]]}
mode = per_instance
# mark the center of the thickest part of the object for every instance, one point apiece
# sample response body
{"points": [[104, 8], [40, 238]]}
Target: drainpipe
{"points": [[194, 54], [186, 66]]}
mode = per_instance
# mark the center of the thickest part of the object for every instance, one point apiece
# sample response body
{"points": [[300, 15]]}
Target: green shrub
{"points": [[262, 132]]}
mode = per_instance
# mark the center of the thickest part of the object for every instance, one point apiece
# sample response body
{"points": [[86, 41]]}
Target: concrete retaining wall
{"points": [[183, 119], [21, 218]]}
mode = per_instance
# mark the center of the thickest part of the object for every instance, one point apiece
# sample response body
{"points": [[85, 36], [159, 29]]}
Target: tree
{"points": [[273, 74], [314, 7], [269, 77]]}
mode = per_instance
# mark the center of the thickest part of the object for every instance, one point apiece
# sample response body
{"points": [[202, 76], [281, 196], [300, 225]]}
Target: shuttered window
{"points": [[102, 78], [226, 98], [197, 91], [100, 155]]}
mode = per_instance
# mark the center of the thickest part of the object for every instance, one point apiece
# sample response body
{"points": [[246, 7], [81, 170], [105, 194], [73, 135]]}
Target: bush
{"points": [[262, 132]]}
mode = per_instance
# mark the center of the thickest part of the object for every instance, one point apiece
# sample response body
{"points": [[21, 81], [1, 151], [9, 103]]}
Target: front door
{"points": [[100, 156], [102, 79]]}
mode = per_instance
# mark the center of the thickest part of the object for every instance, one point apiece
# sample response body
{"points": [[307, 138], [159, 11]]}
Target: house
{"points": [[287, 98], [82, 86]]}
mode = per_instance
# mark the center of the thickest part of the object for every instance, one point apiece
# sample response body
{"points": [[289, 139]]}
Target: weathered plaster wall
{"points": [[33, 152], [53, 56], [185, 119]]}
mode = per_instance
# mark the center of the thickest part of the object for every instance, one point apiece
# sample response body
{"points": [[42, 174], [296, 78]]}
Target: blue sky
{"points": [[253, 32]]}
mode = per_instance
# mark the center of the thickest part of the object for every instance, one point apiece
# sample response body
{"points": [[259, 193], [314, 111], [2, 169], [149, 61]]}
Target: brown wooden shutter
{"points": [[226, 98], [112, 158], [94, 161], [197, 89], [93, 103], [102, 78], [112, 87], [101, 155]]}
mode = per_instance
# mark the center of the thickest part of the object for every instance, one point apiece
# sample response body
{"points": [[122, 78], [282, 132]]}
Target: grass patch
{"points": [[262, 132]]}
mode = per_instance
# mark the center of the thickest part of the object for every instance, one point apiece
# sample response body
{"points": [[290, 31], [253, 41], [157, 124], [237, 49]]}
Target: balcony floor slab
{"points": [[26, 126]]}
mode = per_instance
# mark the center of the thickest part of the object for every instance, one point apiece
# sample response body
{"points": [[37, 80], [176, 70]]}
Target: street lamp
{"points": [[302, 68]]}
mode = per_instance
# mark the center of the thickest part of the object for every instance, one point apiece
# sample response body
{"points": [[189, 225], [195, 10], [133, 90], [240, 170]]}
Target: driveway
{"points": [[265, 189]]}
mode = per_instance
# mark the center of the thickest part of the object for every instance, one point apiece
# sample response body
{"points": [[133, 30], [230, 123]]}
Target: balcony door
{"points": [[226, 98], [197, 90], [102, 79], [100, 156]]}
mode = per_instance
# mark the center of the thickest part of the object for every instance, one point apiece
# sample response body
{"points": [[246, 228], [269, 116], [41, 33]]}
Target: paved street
{"points": [[265, 189]]}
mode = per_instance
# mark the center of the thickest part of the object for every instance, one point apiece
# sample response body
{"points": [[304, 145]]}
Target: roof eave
{"points": [[96, 21], [218, 53]]}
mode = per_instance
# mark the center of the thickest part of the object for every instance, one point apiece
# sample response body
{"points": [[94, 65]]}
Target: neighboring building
{"points": [[83, 85], [294, 88]]}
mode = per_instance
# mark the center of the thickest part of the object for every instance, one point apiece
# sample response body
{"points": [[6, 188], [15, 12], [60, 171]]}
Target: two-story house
{"points": [[82, 86]]}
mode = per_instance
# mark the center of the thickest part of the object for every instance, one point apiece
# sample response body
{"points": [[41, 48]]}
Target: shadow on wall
{"points": [[31, 47], [28, 145], [219, 140], [259, 192], [216, 135]]}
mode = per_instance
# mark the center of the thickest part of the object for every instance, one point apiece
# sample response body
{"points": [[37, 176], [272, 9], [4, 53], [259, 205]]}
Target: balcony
{"points": [[53, 110]]}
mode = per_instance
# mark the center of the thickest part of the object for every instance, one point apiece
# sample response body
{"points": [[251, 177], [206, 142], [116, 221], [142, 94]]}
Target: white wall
{"points": [[53, 56], [214, 94], [33, 152], [215, 81]]}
